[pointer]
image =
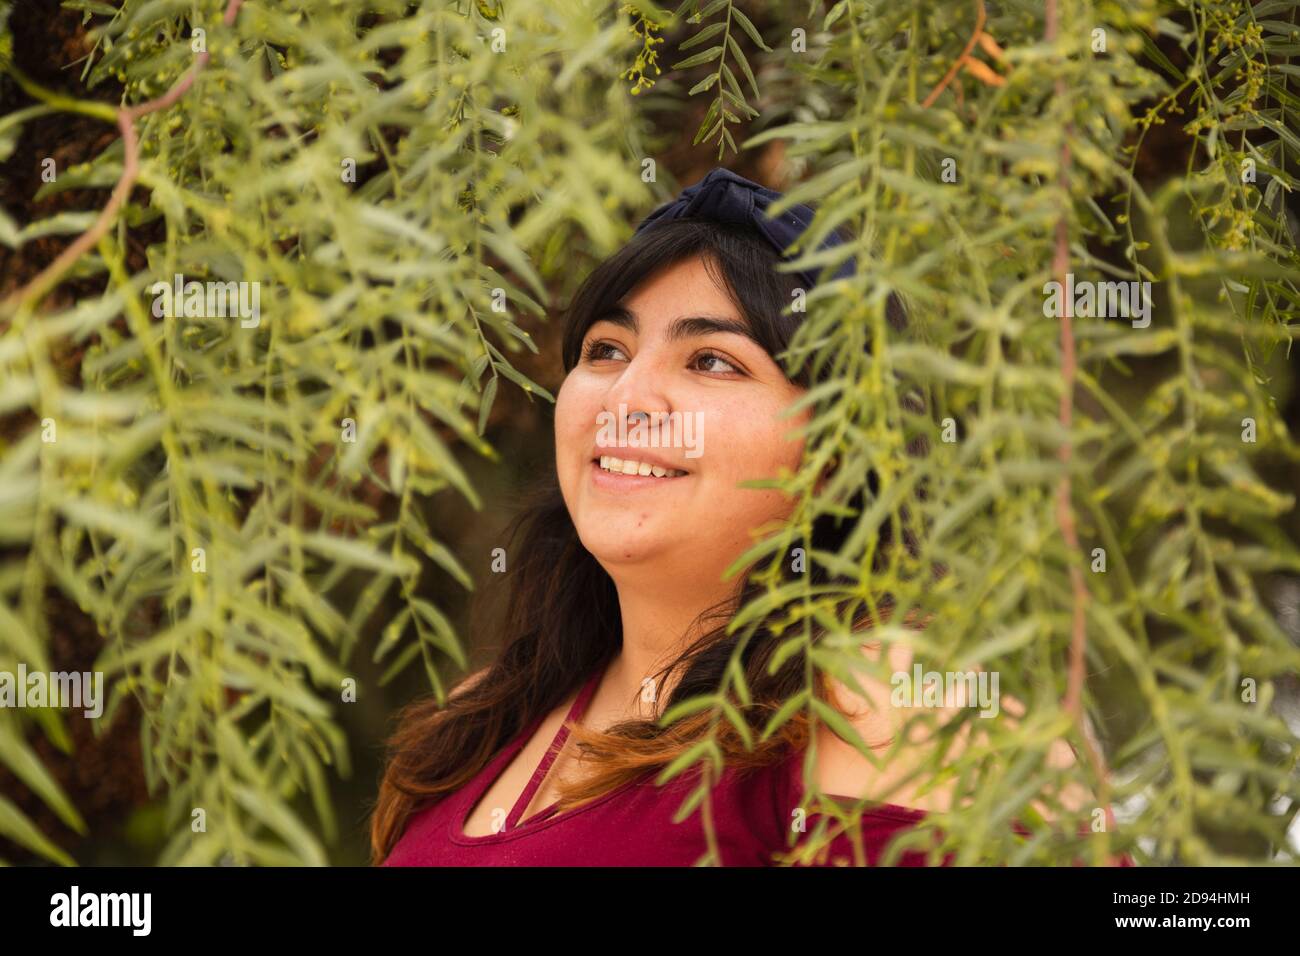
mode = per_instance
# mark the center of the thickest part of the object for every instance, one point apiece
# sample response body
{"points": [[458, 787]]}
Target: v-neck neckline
{"points": [[547, 814]]}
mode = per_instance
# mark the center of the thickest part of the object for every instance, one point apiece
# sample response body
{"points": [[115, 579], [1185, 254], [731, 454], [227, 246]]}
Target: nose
{"points": [[638, 392]]}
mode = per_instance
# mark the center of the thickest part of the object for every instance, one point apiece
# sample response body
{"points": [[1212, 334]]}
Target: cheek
{"points": [[576, 406], [749, 444], [564, 411]]}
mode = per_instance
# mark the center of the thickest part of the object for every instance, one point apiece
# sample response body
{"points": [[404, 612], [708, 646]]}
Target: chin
{"points": [[611, 548]]}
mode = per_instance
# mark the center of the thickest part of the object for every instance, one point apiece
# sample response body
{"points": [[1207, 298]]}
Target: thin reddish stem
{"points": [[48, 277]]}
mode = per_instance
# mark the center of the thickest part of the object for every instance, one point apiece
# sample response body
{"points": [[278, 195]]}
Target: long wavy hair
{"points": [[561, 619]]}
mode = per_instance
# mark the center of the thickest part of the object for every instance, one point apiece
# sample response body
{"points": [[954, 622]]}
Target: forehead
{"points": [[682, 288], [677, 303]]}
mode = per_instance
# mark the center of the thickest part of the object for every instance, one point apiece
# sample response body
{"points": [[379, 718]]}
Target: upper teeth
{"points": [[629, 467]]}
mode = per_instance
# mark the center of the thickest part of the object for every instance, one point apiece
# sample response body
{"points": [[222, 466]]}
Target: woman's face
{"points": [[671, 354]]}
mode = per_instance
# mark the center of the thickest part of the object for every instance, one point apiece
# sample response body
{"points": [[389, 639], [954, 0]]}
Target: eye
{"points": [[706, 356], [598, 350]]}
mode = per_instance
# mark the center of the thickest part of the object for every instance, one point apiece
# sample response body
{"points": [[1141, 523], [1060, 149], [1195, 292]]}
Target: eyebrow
{"points": [[686, 327]]}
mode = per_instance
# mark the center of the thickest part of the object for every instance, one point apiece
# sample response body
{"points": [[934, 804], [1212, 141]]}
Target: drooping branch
{"points": [[126, 117], [1073, 703]]}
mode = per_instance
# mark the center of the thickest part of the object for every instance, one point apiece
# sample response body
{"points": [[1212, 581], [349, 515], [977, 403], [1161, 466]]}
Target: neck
{"points": [[659, 623]]}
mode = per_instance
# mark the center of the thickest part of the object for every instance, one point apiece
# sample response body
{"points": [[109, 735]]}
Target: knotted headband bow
{"points": [[723, 196]]}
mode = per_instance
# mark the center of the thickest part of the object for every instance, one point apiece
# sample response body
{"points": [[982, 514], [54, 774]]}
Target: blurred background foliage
{"points": [[393, 173]]}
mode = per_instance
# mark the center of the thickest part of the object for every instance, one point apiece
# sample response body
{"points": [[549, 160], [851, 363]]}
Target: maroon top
{"points": [[753, 813]]}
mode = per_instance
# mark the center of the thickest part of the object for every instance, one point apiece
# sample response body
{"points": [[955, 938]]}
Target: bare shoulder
{"points": [[886, 703], [870, 709]]}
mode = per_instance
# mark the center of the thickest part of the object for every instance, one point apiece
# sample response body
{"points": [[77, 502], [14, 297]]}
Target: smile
{"points": [[629, 474], [631, 466]]}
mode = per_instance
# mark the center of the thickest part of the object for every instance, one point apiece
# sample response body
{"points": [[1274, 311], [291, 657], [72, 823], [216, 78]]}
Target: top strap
{"points": [[576, 711]]}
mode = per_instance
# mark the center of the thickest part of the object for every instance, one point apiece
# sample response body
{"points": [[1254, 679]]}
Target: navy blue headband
{"points": [[723, 196]]}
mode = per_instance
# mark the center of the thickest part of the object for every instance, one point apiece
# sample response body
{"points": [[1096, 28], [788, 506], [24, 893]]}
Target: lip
{"points": [[609, 481]]}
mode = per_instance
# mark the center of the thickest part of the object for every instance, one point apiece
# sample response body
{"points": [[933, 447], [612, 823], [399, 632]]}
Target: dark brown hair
{"points": [[562, 618]]}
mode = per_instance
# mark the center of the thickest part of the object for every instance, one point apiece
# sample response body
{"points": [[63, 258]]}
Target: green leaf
{"points": [[705, 57], [748, 26], [270, 810], [485, 403], [356, 553], [16, 827], [510, 253], [527, 384], [24, 764], [711, 30], [704, 84]]}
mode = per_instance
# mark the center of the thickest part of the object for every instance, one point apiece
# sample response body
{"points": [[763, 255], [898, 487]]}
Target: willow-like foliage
{"points": [[409, 185]]}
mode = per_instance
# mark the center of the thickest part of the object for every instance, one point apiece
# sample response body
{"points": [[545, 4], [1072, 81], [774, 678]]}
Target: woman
{"points": [[619, 606]]}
